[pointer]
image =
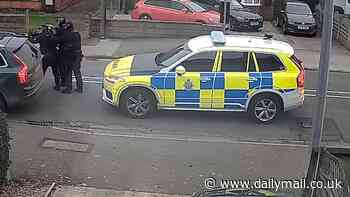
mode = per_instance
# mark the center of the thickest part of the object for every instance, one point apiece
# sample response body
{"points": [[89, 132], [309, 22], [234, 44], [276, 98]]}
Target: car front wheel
{"points": [[264, 108], [138, 103]]}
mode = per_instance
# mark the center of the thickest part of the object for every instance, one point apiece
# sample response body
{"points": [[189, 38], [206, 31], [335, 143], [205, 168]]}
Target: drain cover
{"points": [[302, 127], [65, 145]]}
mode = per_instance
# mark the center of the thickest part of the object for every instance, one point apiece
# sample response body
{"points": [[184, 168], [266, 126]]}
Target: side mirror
{"points": [[180, 70]]}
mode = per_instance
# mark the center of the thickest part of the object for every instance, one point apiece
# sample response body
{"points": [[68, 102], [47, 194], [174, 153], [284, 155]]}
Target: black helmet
{"points": [[69, 26]]}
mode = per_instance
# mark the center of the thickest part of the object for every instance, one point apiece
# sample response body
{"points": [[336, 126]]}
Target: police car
{"points": [[216, 72]]}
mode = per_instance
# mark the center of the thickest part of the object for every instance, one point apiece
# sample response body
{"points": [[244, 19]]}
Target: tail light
{"points": [[301, 76], [22, 75]]}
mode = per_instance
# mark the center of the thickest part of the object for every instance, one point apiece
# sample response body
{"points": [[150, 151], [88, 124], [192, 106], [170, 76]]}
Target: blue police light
{"points": [[217, 37]]}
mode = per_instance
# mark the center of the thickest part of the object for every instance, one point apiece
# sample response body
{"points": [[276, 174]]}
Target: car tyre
{"points": [[264, 108], [138, 103], [145, 17]]}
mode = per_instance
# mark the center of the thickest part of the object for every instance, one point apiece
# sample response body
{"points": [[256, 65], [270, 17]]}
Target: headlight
{"points": [[113, 79], [241, 19]]}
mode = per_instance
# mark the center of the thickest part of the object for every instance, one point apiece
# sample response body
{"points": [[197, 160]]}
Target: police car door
{"points": [[194, 88], [232, 82]]}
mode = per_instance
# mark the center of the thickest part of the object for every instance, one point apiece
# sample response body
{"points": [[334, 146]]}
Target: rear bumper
{"points": [[245, 26], [22, 95], [293, 99]]}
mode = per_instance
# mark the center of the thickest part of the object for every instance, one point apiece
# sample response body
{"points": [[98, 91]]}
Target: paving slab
{"points": [[69, 191]]}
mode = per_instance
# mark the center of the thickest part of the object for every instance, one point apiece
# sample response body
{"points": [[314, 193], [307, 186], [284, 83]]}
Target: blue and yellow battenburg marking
{"points": [[216, 90]]}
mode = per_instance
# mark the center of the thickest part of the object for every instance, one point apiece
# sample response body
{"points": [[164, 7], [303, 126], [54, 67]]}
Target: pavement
{"points": [[306, 48], [67, 191]]}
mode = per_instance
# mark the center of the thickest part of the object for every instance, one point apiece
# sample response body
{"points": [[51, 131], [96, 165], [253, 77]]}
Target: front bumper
{"points": [[251, 25], [302, 29], [107, 96], [293, 99]]}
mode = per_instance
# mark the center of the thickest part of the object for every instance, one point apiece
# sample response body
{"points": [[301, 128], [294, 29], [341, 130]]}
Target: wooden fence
{"points": [[341, 29]]}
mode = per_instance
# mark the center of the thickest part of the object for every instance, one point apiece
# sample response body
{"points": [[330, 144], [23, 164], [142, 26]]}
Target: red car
{"points": [[174, 10]]}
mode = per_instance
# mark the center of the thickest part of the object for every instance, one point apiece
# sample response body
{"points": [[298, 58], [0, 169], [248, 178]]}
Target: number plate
{"points": [[254, 23], [303, 27]]}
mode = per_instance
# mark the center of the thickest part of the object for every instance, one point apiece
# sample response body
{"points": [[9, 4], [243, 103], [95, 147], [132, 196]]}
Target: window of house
{"points": [[201, 62], [251, 2], [234, 62], [268, 62]]}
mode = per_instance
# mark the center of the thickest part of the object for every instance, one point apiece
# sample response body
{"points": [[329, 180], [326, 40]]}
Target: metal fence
{"points": [[330, 169], [341, 29]]}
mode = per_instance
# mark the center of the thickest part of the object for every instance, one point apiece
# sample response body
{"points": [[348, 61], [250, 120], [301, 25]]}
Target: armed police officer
{"points": [[48, 43], [70, 46]]}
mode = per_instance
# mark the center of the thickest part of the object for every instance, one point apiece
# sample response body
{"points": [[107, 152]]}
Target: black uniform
{"points": [[60, 58], [72, 53], [48, 43]]}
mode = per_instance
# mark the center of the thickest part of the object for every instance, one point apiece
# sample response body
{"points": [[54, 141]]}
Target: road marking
{"points": [[186, 139], [65, 145]]}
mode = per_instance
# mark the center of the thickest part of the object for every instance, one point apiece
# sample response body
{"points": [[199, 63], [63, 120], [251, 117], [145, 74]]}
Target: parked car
{"points": [[220, 72], [21, 73], [243, 19], [296, 17], [174, 10], [209, 4]]}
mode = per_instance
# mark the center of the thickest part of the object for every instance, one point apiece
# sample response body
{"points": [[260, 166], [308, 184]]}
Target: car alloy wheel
{"points": [[145, 17], [265, 110], [138, 105]]}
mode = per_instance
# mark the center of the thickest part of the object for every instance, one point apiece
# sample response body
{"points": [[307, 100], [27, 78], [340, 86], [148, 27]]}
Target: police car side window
{"points": [[268, 62], [234, 61], [251, 66], [201, 62]]}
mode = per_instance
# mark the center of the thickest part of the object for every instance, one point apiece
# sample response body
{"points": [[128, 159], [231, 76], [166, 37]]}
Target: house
{"points": [[43, 5]]}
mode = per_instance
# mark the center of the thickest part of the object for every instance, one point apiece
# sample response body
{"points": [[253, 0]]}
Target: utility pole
{"points": [[321, 102], [104, 15]]}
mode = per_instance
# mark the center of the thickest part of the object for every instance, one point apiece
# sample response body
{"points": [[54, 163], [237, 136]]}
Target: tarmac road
{"points": [[171, 152]]}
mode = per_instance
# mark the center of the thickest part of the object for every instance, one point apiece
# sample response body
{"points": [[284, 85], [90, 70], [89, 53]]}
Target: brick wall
{"points": [[148, 29], [34, 4], [62, 4], [12, 22]]}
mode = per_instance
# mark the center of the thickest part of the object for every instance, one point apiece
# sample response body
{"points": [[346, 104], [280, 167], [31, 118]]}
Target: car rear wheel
{"points": [[264, 108], [145, 17], [138, 103]]}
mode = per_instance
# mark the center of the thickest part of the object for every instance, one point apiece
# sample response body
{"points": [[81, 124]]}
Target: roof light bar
{"points": [[218, 37]]}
